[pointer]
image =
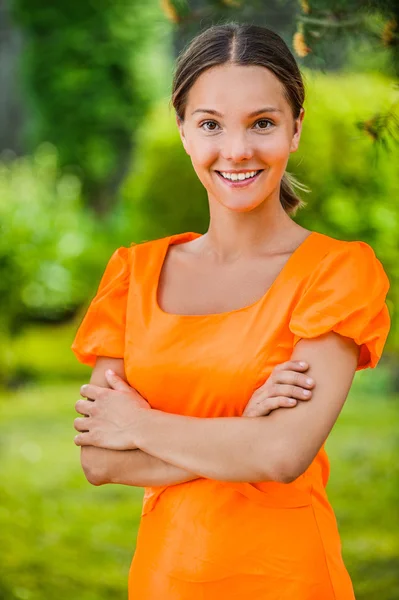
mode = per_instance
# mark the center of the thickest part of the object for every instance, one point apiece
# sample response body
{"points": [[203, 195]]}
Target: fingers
{"points": [[84, 439], [265, 406], [94, 392], [80, 424], [286, 385], [84, 407], [294, 379], [290, 391], [88, 390], [279, 395], [116, 382], [292, 365]]}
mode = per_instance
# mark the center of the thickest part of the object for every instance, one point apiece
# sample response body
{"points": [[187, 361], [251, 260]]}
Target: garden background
{"points": [[90, 160]]}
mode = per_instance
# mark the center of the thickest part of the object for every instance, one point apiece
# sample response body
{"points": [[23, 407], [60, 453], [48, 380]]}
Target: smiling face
{"points": [[237, 120]]}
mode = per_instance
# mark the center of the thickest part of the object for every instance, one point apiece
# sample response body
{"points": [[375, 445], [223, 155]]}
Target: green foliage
{"points": [[52, 252], [62, 538], [85, 85], [41, 353], [354, 180], [44, 234], [332, 32]]}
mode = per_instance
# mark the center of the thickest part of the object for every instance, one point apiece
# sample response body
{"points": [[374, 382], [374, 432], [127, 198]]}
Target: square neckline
{"points": [[190, 235]]}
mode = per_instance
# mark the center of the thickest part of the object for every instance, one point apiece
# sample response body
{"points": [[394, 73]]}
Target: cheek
{"points": [[275, 149], [203, 154], [202, 170]]}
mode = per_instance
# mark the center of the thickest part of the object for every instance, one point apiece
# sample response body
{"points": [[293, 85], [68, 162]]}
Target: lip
{"points": [[239, 184]]}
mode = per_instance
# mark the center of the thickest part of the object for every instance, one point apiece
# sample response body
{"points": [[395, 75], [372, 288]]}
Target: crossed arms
{"points": [[280, 448]]}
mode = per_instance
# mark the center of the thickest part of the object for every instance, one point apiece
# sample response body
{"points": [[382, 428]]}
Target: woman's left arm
{"points": [[277, 448]]}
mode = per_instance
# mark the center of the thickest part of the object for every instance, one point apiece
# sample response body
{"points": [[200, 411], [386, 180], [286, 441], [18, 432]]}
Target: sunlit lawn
{"points": [[61, 538], [364, 491]]}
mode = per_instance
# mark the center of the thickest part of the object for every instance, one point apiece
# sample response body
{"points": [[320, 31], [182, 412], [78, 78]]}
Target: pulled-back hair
{"points": [[243, 44]]}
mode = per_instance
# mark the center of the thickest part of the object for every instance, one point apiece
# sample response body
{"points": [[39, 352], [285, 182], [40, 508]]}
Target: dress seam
{"points": [[322, 543]]}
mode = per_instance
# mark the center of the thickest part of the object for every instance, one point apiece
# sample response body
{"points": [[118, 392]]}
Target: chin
{"points": [[242, 207]]}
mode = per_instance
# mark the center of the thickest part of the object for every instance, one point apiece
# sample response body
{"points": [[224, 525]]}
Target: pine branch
{"points": [[332, 21]]}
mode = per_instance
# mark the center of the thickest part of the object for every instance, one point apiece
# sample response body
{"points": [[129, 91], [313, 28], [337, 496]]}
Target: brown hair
{"points": [[243, 44]]}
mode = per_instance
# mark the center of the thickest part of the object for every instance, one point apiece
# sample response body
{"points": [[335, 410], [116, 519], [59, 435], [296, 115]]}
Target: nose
{"points": [[236, 147]]}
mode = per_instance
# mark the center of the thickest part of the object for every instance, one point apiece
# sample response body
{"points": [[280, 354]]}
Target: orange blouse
{"points": [[207, 539]]}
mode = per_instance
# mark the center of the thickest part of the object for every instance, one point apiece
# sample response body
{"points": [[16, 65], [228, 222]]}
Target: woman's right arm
{"points": [[128, 467]]}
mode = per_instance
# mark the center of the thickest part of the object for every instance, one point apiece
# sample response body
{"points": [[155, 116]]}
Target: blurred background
{"points": [[90, 160]]}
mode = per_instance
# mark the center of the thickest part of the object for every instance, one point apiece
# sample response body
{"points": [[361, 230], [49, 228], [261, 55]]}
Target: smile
{"points": [[245, 178]]}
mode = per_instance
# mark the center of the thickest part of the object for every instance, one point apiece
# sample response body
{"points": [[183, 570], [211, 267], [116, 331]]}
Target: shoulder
{"points": [[356, 261], [118, 268], [119, 260], [125, 254], [334, 246], [146, 248], [148, 245], [345, 293]]}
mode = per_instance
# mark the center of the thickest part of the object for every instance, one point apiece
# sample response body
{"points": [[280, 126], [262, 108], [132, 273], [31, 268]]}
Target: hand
{"points": [[110, 414], [283, 388]]}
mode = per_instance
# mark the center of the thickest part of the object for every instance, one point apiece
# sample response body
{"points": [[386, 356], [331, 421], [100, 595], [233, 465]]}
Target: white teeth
{"points": [[238, 176]]}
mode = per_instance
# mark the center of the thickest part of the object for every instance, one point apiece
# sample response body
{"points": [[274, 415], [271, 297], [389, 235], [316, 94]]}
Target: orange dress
{"points": [[212, 540]]}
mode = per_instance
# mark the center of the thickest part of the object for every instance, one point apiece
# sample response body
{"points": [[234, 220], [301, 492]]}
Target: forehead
{"points": [[249, 87]]}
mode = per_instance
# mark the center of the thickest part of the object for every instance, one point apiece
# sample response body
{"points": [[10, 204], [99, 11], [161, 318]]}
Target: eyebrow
{"points": [[252, 114]]}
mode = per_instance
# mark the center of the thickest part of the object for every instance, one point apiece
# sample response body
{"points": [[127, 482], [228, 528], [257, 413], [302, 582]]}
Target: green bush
{"points": [[87, 75], [52, 251], [44, 234], [354, 180]]}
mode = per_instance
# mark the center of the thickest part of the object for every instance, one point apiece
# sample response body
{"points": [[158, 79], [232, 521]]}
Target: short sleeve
{"points": [[346, 294], [102, 330]]}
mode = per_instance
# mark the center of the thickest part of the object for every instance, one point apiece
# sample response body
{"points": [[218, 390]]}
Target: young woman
{"points": [[203, 334]]}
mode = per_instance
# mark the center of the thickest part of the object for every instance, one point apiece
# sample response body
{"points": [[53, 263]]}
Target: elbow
{"points": [[288, 476], [94, 471], [94, 477], [286, 471]]}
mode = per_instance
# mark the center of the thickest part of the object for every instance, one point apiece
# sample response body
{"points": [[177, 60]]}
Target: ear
{"points": [[180, 125], [297, 131]]}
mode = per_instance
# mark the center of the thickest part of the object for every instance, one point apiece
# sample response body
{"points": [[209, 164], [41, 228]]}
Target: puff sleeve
{"points": [[346, 294], [102, 330]]}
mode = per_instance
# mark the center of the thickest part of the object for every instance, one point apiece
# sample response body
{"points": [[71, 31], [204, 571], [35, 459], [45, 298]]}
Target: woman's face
{"points": [[237, 120]]}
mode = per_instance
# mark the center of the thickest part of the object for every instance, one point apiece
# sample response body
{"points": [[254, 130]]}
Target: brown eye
{"points": [[207, 123], [264, 121]]}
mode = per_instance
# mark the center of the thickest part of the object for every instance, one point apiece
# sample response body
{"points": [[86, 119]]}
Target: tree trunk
{"points": [[11, 109]]}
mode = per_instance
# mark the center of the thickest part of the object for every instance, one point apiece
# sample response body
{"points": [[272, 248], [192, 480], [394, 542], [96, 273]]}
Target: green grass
{"points": [[62, 538], [364, 490]]}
